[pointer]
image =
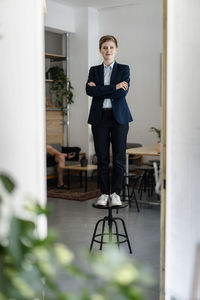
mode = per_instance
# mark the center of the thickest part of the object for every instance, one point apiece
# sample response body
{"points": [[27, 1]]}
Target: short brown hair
{"points": [[107, 38]]}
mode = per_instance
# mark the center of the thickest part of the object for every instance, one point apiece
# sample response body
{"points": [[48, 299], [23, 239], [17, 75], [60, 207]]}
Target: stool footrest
{"points": [[113, 234]]}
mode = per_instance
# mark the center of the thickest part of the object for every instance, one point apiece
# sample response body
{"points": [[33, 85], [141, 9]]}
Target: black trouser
{"points": [[109, 131]]}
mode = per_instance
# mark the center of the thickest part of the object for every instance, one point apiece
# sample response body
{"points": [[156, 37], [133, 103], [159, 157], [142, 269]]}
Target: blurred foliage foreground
{"points": [[30, 266]]}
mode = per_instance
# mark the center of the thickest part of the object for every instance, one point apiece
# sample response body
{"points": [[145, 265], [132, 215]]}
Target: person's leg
{"points": [[60, 173], [60, 159], [102, 144], [118, 140], [52, 151]]}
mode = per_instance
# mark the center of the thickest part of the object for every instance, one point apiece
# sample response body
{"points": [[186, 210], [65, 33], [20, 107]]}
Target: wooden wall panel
{"points": [[54, 127]]}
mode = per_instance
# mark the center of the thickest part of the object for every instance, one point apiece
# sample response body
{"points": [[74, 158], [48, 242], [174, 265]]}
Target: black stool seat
{"points": [[150, 162], [155, 160], [145, 167], [120, 237]]}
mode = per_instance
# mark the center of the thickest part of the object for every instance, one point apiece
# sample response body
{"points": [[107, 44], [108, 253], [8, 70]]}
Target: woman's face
{"points": [[108, 51]]}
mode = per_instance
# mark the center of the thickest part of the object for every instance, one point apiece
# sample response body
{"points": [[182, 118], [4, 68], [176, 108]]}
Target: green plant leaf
{"points": [[7, 182], [2, 297], [15, 247], [62, 86], [42, 210], [157, 131]]}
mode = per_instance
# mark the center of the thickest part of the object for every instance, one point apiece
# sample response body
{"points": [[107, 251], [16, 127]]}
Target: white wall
{"points": [[138, 29], [78, 53], [22, 108], [59, 18], [183, 147], [83, 54], [93, 59]]}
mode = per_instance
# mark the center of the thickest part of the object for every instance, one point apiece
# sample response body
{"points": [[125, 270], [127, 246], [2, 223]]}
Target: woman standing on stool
{"points": [[109, 116]]}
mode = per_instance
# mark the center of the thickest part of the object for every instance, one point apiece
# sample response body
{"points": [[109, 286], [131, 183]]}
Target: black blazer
{"points": [[99, 92]]}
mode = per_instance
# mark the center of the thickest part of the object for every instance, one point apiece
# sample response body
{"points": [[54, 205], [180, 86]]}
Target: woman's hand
{"points": [[91, 83], [122, 85]]}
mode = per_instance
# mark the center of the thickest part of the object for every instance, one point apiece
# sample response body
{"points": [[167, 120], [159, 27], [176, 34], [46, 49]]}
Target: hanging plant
{"points": [[62, 87]]}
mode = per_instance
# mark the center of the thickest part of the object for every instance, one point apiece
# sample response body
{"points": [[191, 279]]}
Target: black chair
{"points": [[113, 237], [131, 180], [147, 180], [128, 192]]}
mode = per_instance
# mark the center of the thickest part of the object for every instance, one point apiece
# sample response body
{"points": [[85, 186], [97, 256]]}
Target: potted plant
{"points": [[30, 265], [62, 86], [158, 133]]}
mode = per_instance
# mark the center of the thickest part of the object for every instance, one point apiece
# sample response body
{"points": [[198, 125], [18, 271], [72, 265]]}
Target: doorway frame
{"points": [[163, 157]]}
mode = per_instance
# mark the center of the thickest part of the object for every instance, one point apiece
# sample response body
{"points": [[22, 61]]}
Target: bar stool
{"points": [[147, 182], [131, 185], [120, 237]]}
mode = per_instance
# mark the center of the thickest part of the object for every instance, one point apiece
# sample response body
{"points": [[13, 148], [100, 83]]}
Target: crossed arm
{"points": [[122, 85], [108, 91]]}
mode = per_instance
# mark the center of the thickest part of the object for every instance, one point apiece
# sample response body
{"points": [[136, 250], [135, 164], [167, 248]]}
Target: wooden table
{"points": [[81, 170], [144, 151]]}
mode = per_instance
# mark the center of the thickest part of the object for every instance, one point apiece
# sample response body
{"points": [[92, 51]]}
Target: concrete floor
{"points": [[75, 223]]}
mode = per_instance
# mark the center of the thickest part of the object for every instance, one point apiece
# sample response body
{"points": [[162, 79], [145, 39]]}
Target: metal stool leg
{"points": [[129, 198], [134, 197], [102, 233], [126, 234], [110, 229], [95, 230], [117, 233]]}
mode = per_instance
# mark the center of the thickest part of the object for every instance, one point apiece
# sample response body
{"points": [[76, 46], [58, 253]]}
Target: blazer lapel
{"points": [[113, 73], [101, 74]]}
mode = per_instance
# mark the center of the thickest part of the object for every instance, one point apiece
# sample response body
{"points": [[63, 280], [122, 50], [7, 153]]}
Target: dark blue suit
{"points": [[99, 92], [109, 125]]}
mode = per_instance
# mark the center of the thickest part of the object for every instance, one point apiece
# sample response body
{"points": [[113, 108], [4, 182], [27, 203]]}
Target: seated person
{"points": [[59, 159]]}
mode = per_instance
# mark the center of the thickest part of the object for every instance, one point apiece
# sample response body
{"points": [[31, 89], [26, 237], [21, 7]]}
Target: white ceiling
{"points": [[103, 3]]}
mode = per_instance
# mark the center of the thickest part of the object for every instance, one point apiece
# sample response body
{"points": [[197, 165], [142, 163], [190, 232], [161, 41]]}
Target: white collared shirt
{"points": [[107, 75]]}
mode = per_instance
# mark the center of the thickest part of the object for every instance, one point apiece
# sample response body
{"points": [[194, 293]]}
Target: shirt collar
{"points": [[110, 66]]}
